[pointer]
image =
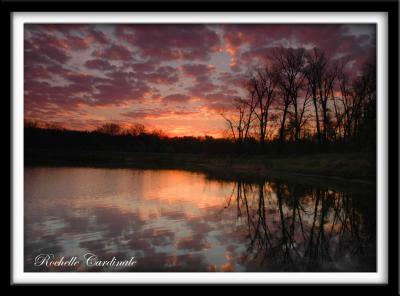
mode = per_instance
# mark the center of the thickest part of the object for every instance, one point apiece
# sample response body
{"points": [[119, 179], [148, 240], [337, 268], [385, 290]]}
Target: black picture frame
{"points": [[391, 7]]}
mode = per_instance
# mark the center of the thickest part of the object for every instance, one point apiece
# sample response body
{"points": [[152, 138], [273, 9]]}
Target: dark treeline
{"points": [[110, 137], [61, 139], [300, 102]]}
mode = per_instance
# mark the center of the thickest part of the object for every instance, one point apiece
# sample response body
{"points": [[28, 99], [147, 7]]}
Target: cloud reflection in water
{"points": [[181, 221]]}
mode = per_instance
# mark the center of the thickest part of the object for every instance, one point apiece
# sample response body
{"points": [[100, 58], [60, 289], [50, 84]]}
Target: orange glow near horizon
{"points": [[174, 78]]}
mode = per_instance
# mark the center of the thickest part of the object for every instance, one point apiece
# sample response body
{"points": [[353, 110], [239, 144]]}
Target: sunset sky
{"points": [[177, 78]]}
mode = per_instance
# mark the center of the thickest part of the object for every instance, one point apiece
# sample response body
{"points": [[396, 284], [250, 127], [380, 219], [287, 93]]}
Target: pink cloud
{"points": [[99, 64], [77, 69], [172, 42], [176, 98], [162, 75], [114, 52]]}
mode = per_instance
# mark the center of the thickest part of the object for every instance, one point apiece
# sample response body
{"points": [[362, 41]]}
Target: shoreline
{"points": [[359, 168]]}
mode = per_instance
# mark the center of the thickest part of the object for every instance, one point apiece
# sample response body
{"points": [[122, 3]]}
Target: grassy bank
{"points": [[351, 166]]}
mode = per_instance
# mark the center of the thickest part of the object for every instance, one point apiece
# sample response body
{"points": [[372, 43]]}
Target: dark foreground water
{"points": [[83, 219]]}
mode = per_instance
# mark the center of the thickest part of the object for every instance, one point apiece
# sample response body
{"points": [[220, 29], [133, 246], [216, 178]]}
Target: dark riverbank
{"points": [[354, 166]]}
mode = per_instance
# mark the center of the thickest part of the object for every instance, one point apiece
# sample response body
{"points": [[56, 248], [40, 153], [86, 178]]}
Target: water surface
{"points": [[171, 220]]}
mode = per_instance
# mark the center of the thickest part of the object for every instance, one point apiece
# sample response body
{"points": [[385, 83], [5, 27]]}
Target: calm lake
{"points": [[172, 220]]}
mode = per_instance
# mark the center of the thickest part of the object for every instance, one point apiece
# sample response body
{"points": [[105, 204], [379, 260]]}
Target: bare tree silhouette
{"points": [[109, 129]]}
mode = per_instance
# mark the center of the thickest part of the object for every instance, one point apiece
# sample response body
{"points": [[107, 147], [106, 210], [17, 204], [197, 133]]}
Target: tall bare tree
{"points": [[289, 64], [315, 65], [326, 86], [262, 85]]}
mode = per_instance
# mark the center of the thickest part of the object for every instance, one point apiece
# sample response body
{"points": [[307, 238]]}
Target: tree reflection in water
{"points": [[304, 228]]}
